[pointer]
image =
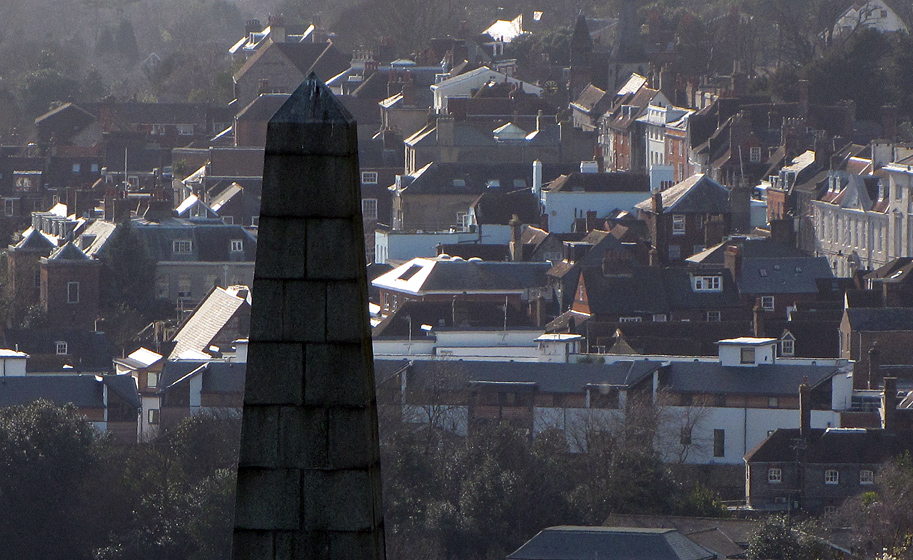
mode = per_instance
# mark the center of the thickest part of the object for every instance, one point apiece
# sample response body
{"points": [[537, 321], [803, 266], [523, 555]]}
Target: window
{"points": [[9, 207], [185, 129], [719, 443], [659, 317], [237, 245], [754, 154], [61, 347], [368, 177], [369, 208], [629, 319], [713, 316], [787, 347], [747, 356], [184, 286], [153, 416], [866, 477], [675, 252], [161, 287], [767, 303], [831, 476], [76, 168], [72, 292], [94, 168], [773, 402], [678, 224], [152, 380], [182, 246], [228, 220], [255, 221], [708, 283], [774, 476]]}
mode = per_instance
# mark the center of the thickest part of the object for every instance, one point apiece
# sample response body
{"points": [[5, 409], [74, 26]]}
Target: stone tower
{"points": [[309, 472]]}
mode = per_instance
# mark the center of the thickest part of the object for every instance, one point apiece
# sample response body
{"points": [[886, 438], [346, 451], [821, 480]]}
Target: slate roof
{"points": [[590, 98], [441, 314], [86, 351], [475, 178], [599, 182], [697, 194], [764, 379], [610, 543], [735, 530], [68, 252], [210, 240], [83, 391], [880, 319], [546, 377], [447, 275], [896, 271], [498, 206], [210, 317], [217, 377], [848, 446], [749, 249], [323, 58], [263, 107], [34, 240], [784, 275], [653, 290]]}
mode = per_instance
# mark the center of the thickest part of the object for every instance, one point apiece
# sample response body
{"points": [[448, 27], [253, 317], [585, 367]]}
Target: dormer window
{"points": [[787, 344], [182, 246], [61, 347], [707, 283]]}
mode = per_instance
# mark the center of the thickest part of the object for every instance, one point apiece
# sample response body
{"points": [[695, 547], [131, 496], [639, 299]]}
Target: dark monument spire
{"points": [[309, 472]]}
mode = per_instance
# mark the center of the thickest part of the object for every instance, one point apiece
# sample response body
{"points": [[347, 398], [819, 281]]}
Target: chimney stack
{"points": [[805, 410], [874, 367], [889, 405], [758, 323], [516, 239], [590, 220]]}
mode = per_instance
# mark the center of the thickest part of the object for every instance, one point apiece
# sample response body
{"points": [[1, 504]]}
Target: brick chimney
{"points": [[758, 322], [444, 131], [805, 410], [889, 405], [889, 122], [591, 220], [516, 239], [732, 261], [874, 367]]}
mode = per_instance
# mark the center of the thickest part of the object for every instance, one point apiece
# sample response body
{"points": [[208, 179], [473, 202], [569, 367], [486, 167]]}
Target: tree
{"points": [[131, 269], [47, 456], [40, 88], [781, 539]]}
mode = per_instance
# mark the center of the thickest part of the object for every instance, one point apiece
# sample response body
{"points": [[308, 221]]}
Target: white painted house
{"points": [[464, 85]]}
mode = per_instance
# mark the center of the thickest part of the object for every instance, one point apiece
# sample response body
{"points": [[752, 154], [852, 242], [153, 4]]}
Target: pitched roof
{"points": [[610, 543], [696, 194], [34, 240], [210, 317], [477, 178], [83, 391], [68, 252], [421, 276], [600, 182], [834, 445], [880, 319], [498, 206], [764, 379], [86, 351], [783, 275]]}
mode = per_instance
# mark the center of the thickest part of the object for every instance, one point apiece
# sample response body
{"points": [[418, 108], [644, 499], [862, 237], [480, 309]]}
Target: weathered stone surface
{"points": [[341, 295], [303, 437], [329, 375], [337, 500], [275, 373], [285, 241], [305, 312], [309, 477], [270, 501], [352, 431], [260, 437], [266, 317], [327, 240]]}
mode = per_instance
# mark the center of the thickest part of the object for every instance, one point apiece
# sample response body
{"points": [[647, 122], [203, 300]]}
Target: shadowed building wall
{"points": [[309, 474]]}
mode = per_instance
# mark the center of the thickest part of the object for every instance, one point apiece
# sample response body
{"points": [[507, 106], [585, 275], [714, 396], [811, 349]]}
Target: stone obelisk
{"points": [[309, 471]]}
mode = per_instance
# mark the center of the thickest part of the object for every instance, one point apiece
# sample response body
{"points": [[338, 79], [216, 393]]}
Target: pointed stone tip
{"points": [[313, 102]]}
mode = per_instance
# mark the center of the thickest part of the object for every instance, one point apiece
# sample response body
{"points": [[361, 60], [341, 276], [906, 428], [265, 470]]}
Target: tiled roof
{"points": [[610, 543], [696, 194], [833, 446], [210, 317], [880, 319], [84, 391], [783, 275], [68, 252], [600, 182]]}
